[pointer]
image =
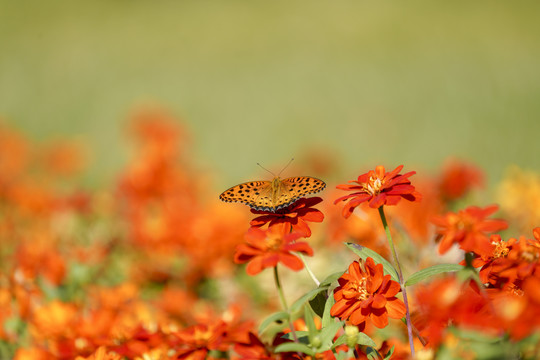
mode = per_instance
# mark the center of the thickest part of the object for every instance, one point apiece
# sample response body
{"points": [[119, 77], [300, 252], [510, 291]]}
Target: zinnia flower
{"points": [[294, 216], [267, 248], [366, 294], [378, 188], [469, 228]]}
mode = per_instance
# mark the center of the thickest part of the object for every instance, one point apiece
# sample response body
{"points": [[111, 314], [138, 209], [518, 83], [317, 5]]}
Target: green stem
{"points": [[280, 290], [311, 274], [284, 302], [401, 281]]}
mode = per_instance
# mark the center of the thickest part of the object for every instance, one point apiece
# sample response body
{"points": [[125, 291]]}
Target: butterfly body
{"points": [[273, 195]]}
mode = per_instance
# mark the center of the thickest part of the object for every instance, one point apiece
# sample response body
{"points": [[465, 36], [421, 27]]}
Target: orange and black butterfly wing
{"points": [[293, 188], [256, 194]]}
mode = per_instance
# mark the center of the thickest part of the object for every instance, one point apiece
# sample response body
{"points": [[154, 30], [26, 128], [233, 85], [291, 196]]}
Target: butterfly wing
{"points": [[256, 194], [293, 188], [275, 195]]}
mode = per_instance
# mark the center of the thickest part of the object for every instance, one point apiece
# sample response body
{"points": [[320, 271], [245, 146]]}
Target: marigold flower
{"points": [[294, 216], [469, 228], [267, 248], [366, 294], [379, 188]]}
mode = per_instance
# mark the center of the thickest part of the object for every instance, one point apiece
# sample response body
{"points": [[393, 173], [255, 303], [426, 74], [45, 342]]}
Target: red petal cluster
{"points": [[470, 228], [366, 294], [378, 188], [267, 248], [295, 217]]}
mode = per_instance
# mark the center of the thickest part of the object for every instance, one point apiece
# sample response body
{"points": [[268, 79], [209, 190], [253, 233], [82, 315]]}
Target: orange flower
{"points": [[458, 177], [253, 349], [521, 261], [101, 354], [469, 228], [294, 216], [366, 294], [379, 188], [266, 248], [447, 301], [490, 264]]}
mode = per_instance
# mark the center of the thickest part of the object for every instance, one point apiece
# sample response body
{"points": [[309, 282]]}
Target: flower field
{"points": [[396, 263]]}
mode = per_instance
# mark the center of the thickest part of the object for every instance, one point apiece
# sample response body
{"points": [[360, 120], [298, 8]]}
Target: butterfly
{"points": [[273, 195]]}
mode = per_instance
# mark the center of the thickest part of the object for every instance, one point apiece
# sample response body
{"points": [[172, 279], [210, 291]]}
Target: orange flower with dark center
{"points": [[469, 228], [378, 188], [295, 216], [366, 294], [267, 248]]}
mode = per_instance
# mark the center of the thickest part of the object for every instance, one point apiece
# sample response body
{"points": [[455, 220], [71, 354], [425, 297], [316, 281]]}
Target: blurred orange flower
{"points": [[458, 177], [267, 248], [379, 188], [469, 228], [366, 294], [447, 301], [294, 216]]}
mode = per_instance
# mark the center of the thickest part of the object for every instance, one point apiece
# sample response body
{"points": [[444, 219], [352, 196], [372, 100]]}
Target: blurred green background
{"points": [[262, 81]]}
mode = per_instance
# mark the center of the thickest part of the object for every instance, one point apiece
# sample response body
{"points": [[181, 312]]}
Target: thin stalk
{"points": [[284, 302], [311, 274], [401, 281]]}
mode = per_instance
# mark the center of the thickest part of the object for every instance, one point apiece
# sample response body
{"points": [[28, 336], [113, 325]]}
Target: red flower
{"points": [[294, 216], [366, 294], [266, 248], [378, 188], [469, 228]]}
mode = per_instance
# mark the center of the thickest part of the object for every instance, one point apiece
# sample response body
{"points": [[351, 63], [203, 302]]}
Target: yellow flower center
{"points": [[374, 186], [357, 290], [201, 336], [501, 249], [274, 242]]}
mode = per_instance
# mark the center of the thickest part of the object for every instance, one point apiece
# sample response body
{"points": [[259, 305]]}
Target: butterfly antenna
{"points": [[286, 166], [262, 167]]}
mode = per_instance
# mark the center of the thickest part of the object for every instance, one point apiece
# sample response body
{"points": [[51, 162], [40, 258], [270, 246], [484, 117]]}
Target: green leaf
{"points": [[295, 347], [307, 296], [363, 339], [331, 278], [364, 252], [282, 315], [340, 341], [310, 324], [389, 353], [327, 319], [301, 336], [372, 353], [432, 270], [327, 336], [318, 302]]}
